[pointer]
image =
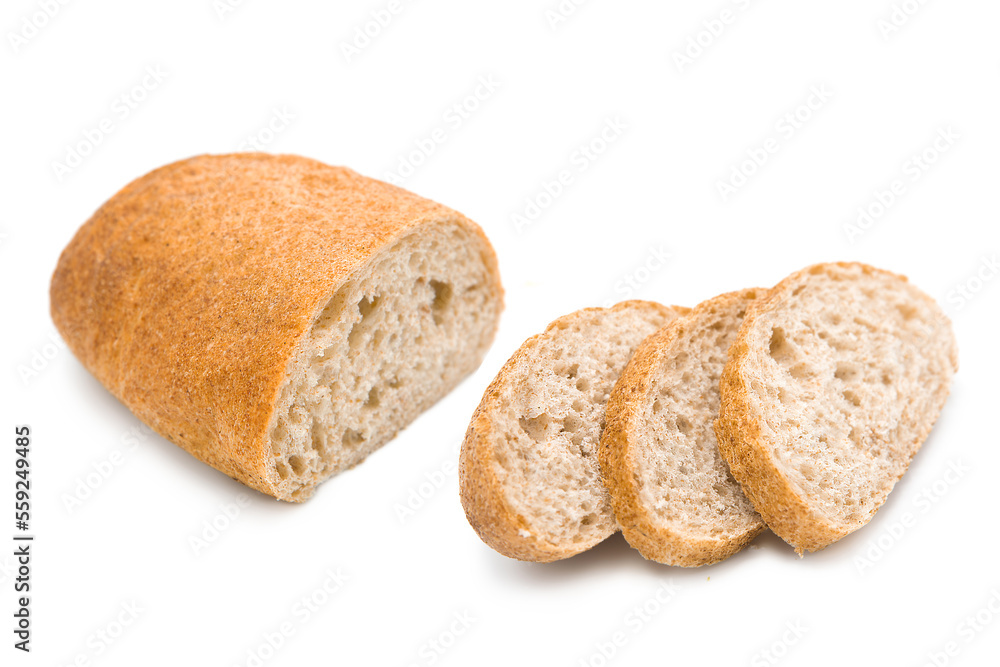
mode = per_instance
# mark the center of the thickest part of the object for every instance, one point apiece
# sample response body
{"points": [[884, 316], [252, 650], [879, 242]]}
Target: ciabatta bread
{"points": [[529, 476], [671, 490], [278, 318], [834, 381]]}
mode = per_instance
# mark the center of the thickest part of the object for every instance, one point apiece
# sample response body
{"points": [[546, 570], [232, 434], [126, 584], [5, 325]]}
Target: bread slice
{"points": [[671, 490], [529, 476], [835, 380], [278, 318]]}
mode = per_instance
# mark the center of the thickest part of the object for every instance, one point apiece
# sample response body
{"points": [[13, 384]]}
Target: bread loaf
{"points": [[278, 318]]}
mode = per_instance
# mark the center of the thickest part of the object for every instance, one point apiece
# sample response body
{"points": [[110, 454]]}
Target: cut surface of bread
{"points": [[671, 490], [835, 380], [396, 337], [278, 318], [529, 476]]}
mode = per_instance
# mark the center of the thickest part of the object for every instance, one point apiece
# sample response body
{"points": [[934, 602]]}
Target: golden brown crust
{"points": [[489, 513], [189, 291], [618, 458], [743, 443]]}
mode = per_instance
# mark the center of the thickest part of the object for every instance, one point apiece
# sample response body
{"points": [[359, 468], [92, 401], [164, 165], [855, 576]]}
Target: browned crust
{"points": [[618, 457], [489, 513], [188, 293], [743, 443]]}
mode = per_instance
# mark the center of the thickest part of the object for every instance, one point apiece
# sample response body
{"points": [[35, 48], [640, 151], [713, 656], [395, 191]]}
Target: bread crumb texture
{"points": [[670, 487], [529, 475], [834, 382]]}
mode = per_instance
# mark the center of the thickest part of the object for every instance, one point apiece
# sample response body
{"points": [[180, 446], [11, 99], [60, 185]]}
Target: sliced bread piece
{"points": [[529, 476], [835, 380], [671, 490]]}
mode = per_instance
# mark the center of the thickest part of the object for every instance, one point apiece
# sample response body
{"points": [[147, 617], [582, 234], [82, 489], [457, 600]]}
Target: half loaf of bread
{"points": [[834, 381], [278, 318], [529, 476], [671, 490]]}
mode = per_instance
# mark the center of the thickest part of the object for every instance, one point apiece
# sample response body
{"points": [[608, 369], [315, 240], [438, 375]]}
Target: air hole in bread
{"points": [[852, 398], [907, 310], [351, 438], [298, 464], [442, 297], [357, 336], [317, 436], [780, 348], [373, 400], [846, 371], [367, 305], [684, 425], [800, 371], [536, 427], [571, 423]]}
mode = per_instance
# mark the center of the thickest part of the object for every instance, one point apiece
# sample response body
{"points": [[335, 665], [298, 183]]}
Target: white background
{"points": [[654, 189]]}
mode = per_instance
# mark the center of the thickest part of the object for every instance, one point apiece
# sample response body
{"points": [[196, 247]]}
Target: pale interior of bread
{"points": [[857, 367], [551, 417], [684, 485], [396, 337]]}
